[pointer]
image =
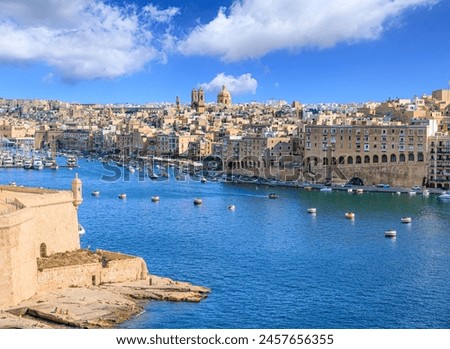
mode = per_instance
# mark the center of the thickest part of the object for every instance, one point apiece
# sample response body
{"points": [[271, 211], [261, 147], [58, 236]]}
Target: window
{"points": [[384, 158], [350, 160], [410, 157], [358, 159], [393, 158], [375, 159], [367, 159], [402, 157]]}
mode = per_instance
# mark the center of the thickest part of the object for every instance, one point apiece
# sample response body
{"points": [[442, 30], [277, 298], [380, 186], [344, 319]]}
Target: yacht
{"points": [[37, 164], [27, 163], [71, 161], [8, 161], [390, 233]]}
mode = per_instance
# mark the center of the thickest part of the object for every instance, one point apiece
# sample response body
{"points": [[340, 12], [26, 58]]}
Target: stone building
{"points": [[439, 161], [224, 97], [39, 230], [380, 153], [198, 100]]}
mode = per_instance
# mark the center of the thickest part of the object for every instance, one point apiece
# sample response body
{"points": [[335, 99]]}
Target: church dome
{"points": [[224, 96]]}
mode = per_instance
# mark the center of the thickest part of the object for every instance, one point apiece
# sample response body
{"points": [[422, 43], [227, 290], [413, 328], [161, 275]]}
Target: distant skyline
{"points": [[113, 51]]}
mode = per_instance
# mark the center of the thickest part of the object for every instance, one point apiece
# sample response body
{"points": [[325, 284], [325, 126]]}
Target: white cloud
{"points": [[253, 28], [81, 39], [162, 16], [236, 85]]}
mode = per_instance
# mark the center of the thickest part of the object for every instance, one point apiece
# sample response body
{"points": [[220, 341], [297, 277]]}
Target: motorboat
{"points": [[8, 161], [412, 192], [359, 191], [349, 215], [203, 180], [198, 201], [273, 196], [426, 193], [311, 210], [390, 233], [122, 196], [27, 163], [95, 193], [71, 161], [155, 198], [81, 230], [406, 220], [231, 207], [444, 196], [37, 164], [326, 189]]}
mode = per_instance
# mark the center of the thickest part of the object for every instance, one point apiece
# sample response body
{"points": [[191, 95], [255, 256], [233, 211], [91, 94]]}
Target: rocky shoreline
{"points": [[103, 306]]}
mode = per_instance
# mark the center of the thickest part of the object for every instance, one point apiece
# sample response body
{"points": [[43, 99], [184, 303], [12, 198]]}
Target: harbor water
{"points": [[270, 263]]}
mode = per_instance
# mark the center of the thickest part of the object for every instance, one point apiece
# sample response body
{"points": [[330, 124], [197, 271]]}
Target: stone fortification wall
{"points": [[124, 270], [18, 280], [110, 270], [70, 276]]}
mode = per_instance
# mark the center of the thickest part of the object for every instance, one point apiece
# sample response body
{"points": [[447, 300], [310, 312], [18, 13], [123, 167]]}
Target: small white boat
{"points": [[155, 198], [399, 193], [349, 215], [311, 210], [71, 161], [444, 196], [426, 193], [13, 184], [203, 180], [37, 164], [406, 220], [95, 193], [122, 196], [350, 190], [131, 169], [326, 189], [359, 191], [390, 233], [81, 230], [412, 192], [198, 201], [231, 207], [273, 196]]}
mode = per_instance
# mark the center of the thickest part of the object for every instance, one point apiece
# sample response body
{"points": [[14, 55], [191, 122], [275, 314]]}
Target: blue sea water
{"points": [[269, 263]]}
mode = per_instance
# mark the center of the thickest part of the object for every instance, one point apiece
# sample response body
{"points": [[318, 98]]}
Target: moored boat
{"points": [[273, 196], [122, 196], [390, 233], [444, 196], [198, 201], [311, 210], [231, 207], [406, 220], [155, 198], [95, 193]]}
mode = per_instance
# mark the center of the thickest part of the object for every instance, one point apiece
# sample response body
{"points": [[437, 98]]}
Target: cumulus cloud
{"points": [[81, 39], [236, 85], [253, 28]]}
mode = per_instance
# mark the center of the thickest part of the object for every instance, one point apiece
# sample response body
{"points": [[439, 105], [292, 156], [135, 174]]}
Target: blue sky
{"points": [[113, 51]]}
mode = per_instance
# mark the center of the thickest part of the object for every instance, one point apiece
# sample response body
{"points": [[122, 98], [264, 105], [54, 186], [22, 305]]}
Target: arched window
{"points": [[325, 161], [358, 159], [43, 250], [393, 158], [402, 157], [410, 157], [350, 160], [384, 158], [367, 159], [375, 159], [420, 157], [341, 160]]}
